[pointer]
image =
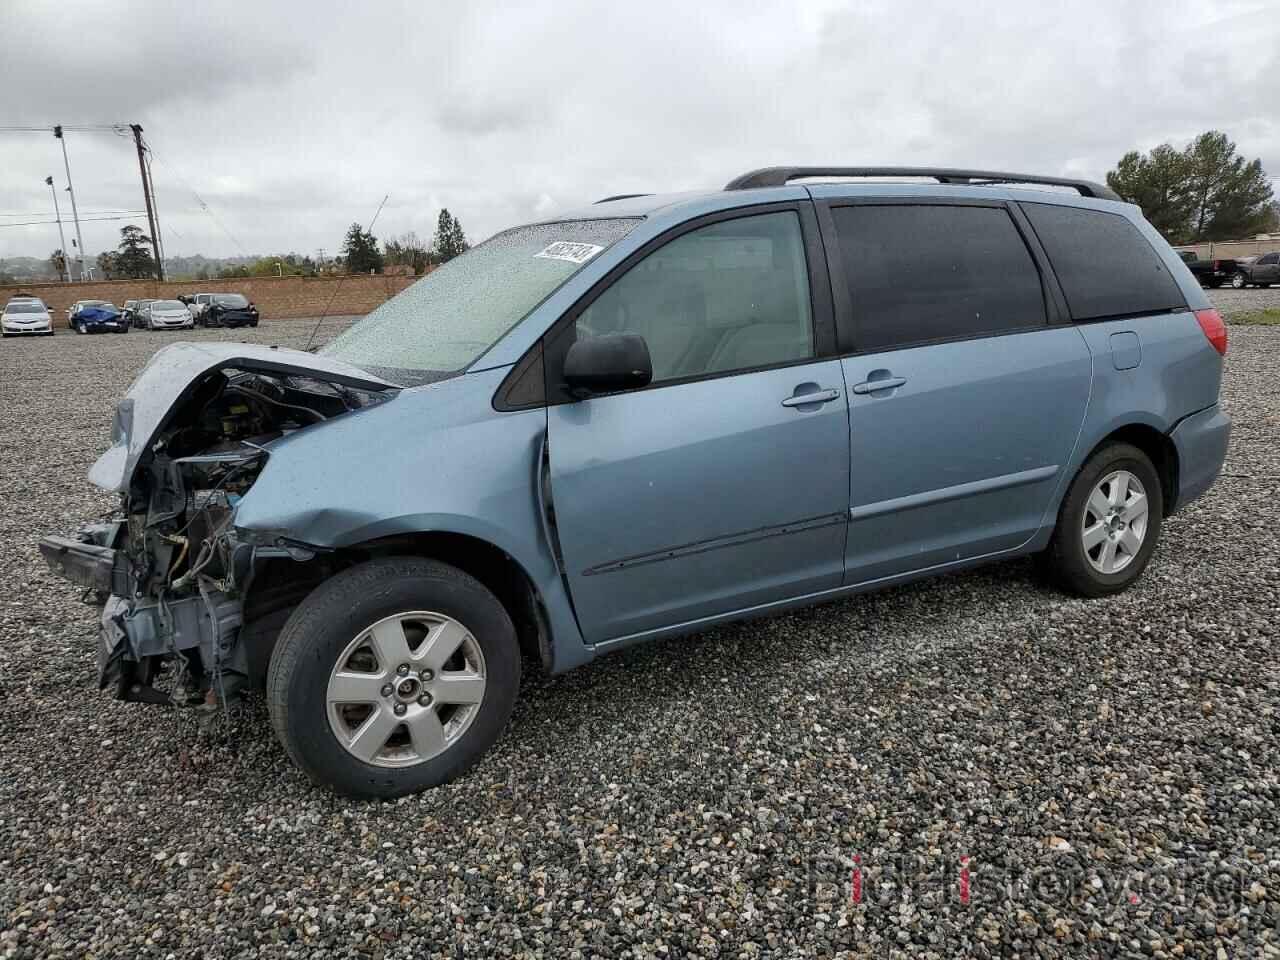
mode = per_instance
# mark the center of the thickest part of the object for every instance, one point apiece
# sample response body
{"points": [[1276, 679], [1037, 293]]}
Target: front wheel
{"points": [[1108, 524], [392, 677], [1238, 282]]}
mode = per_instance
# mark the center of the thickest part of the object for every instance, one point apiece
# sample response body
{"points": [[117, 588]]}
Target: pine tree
{"points": [[134, 259], [360, 248], [1206, 191], [449, 239]]}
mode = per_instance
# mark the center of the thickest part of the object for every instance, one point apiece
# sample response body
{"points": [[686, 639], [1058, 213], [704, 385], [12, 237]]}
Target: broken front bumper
{"points": [[135, 630], [90, 564]]}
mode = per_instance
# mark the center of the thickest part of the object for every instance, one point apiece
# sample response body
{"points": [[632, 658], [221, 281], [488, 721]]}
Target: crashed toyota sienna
{"points": [[640, 420]]}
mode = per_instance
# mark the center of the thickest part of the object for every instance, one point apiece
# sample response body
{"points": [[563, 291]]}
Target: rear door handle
{"points": [[805, 399], [875, 386]]}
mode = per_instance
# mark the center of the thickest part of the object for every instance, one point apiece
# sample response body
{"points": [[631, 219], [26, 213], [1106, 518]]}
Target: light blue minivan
{"points": [[638, 420]]}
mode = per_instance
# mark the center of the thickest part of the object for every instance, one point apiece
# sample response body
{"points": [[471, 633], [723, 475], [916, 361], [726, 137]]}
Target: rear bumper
{"points": [[1201, 441]]}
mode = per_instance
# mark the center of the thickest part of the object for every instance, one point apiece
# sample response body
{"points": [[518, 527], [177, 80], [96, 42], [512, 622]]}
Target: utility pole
{"points": [[146, 195], [65, 272], [57, 132], [155, 205]]}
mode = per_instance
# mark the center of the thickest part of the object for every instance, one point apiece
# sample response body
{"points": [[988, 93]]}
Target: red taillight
{"points": [[1217, 265], [1214, 329]]}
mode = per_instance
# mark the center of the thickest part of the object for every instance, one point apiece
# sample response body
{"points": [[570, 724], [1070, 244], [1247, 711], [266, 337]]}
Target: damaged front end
{"points": [[169, 569]]}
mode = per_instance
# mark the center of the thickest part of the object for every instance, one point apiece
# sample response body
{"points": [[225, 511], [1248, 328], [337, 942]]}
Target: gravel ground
{"points": [[1232, 302], [973, 766]]}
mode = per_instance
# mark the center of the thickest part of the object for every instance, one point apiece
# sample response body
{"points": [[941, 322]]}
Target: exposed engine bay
{"points": [[169, 568]]}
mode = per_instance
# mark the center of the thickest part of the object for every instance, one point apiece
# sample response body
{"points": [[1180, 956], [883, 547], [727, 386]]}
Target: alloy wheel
{"points": [[1115, 522], [405, 689]]}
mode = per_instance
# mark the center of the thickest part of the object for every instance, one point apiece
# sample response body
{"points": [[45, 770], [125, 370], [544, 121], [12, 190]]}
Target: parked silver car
{"points": [[166, 315]]}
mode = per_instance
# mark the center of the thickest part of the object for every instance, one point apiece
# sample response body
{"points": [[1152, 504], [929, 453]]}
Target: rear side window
{"points": [[935, 272], [1107, 268]]}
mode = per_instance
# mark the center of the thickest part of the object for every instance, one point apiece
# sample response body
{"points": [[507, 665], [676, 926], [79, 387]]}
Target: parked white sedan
{"points": [[24, 315], [165, 314]]}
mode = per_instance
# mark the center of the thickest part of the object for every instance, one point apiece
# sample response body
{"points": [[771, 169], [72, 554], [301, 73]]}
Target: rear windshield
{"points": [[24, 308], [1107, 268], [454, 314], [230, 300]]}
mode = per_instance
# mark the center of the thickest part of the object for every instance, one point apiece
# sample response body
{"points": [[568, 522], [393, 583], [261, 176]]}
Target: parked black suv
{"points": [[230, 310]]}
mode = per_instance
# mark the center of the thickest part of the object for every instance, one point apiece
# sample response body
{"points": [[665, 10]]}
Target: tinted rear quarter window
{"points": [[1107, 268], [922, 272]]}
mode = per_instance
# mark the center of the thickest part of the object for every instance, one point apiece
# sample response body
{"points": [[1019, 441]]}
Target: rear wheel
{"points": [[1238, 281], [1109, 523], [393, 677]]}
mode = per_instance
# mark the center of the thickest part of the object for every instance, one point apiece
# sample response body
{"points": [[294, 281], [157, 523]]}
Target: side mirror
{"points": [[615, 361]]}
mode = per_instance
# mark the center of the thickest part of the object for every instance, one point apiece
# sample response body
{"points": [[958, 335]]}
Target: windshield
{"points": [[450, 317], [85, 304], [230, 300], [24, 308], [167, 305]]}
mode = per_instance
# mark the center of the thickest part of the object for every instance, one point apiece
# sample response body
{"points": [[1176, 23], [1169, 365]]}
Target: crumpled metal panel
{"points": [[172, 371]]}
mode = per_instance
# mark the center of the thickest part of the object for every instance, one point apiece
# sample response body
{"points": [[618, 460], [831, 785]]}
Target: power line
{"points": [[29, 223], [199, 199], [75, 127], [29, 213]]}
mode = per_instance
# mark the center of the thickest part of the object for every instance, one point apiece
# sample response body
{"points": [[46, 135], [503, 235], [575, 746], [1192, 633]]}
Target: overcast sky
{"points": [[292, 119]]}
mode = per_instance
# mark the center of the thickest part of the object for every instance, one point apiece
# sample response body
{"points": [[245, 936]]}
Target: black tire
{"points": [[1238, 282], [1065, 557], [333, 615]]}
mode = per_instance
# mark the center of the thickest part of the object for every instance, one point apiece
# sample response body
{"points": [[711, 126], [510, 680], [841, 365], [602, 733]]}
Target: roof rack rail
{"points": [[780, 176], [623, 196]]}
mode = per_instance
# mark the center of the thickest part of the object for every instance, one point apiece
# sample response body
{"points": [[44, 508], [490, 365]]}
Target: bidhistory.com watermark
{"points": [[886, 880]]}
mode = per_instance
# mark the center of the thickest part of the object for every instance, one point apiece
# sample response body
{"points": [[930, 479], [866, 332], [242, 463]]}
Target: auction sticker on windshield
{"points": [[567, 250]]}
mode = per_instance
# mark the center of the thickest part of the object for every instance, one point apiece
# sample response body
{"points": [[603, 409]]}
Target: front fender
{"points": [[435, 459]]}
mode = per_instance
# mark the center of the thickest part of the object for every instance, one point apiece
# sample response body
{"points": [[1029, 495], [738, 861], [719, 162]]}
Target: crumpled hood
{"points": [[98, 314], [176, 369]]}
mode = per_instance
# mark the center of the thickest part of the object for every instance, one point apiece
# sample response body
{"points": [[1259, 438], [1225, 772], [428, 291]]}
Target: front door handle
{"points": [[875, 386], [815, 397]]}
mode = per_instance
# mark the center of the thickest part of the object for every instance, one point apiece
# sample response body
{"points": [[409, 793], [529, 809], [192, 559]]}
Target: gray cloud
{"points": [[291, 120]]}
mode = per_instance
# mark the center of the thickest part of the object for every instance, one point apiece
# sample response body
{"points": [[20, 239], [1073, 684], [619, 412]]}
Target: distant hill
{"points": [[37, 270]]}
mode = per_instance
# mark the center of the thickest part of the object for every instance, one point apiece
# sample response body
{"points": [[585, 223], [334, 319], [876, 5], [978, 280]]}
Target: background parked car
{"points": [[1259, 271], [96, 316], [197, 303], [132, 311], [26, 315], [1210, 273], [79, 305], [166, 314], [229, 310]]}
